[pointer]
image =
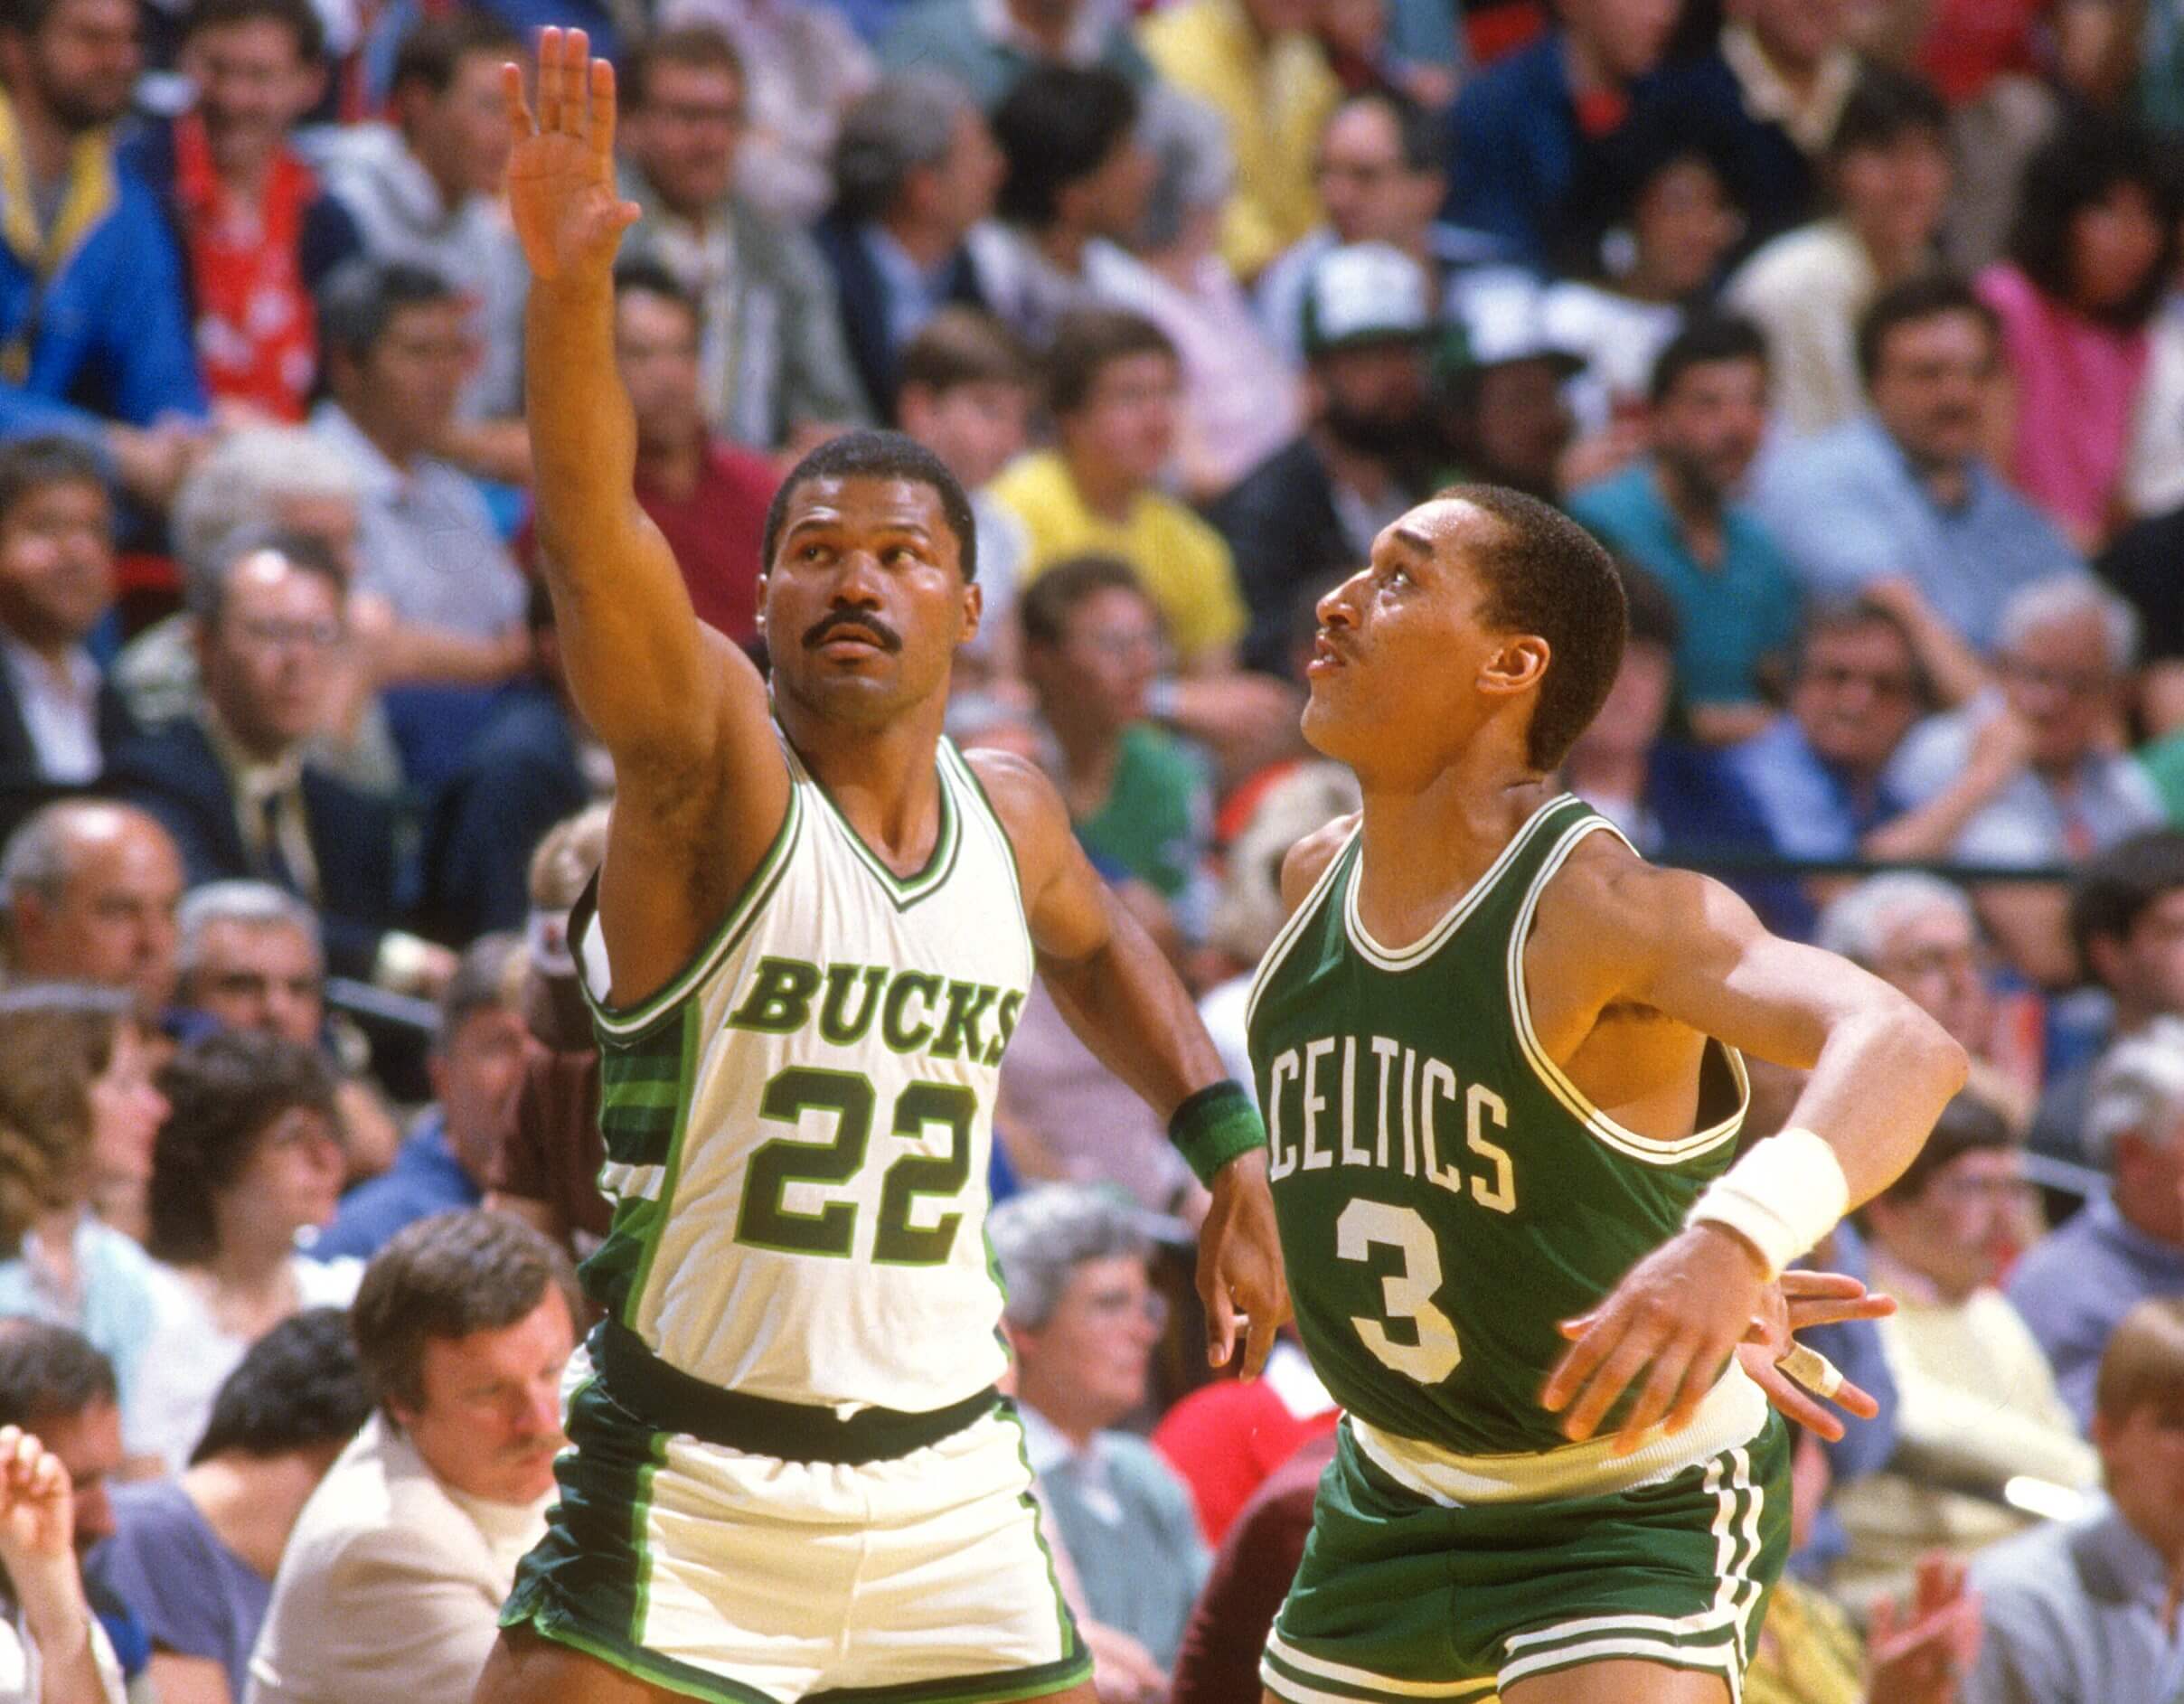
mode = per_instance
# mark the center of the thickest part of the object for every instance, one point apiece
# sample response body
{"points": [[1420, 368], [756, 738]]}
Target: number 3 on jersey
{"points": [[765, 1222], [1405, 1294]]}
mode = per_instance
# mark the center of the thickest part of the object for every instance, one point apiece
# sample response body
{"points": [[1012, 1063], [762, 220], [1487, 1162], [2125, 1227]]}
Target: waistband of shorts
{"points": [[1732, 1412], [669, 1399]]}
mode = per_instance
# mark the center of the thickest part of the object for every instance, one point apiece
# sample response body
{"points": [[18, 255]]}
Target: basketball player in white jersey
{"points": [[814, 929]]}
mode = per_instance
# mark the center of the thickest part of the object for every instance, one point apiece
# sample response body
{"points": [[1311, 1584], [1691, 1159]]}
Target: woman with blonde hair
{"points": [[78, 1112]]}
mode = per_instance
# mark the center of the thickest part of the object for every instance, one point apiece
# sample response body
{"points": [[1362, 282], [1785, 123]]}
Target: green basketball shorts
{"points": [[1401, 1599]]}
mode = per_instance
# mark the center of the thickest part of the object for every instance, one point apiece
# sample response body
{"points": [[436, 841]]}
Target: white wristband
{"points": [[1782, 1197]]}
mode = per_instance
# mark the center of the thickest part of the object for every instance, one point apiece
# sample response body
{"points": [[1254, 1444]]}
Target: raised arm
{"points": [[1125, 1003], [700, 787]]}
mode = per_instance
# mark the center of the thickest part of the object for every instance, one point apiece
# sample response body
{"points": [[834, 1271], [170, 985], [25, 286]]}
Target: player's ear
{"points": [[973, 612], [1518, 666]]}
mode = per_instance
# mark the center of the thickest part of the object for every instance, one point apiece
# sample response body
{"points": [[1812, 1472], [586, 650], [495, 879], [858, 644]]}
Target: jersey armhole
{"points": [[594, 975]]}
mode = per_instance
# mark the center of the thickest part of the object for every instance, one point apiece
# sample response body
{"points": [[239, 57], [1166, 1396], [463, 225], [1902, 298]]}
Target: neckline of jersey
{"points": [[904, 890], [1450, 920]]}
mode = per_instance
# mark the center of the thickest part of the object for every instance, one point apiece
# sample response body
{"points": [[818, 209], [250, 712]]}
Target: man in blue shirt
{"points": [[1903, 491], [1672, 512], [478, 1066]]}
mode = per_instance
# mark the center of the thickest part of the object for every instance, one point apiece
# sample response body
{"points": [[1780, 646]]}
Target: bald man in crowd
{"points": [[89, 890]]}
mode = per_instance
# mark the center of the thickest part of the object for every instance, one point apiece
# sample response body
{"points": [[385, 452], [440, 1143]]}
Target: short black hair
{"points": [[1421, 138], [299, 17], [50, 1373], [641, 276], [1085, 341], [1545, 575], [31, 464], [2080, 164], [1968, 1125], [1705, 339], [698, 45], [2117, 887], [447, 1278], [870, 454], [1883, 106], [1846, 614], [360, 297], [433, 52], [961, 345], [224, 1092], [1047, 602], [1914, 301], [299, 1387], [1058, 125], [1650, 612]]}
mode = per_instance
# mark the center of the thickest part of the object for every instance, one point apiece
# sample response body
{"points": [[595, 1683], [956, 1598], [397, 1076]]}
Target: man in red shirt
{"points": [[706, 495]]}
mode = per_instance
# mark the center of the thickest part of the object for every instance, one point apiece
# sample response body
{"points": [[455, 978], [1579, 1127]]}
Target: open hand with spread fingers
{"points": [[562, 193], [1797, 1380]]}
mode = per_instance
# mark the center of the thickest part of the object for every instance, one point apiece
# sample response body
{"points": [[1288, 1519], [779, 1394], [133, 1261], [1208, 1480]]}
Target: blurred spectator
{"points": [[1226, 1438], [1771, 88], [1677, 514], [90, 889], [2090, 257], [58, 1390], [249, 1159], [2080, 1280], [273, 479], [915, 169], [1382, 174], [60, 719], [256, 230], [2079, 1612], [477, 1068], [1075, 186], [804, 67], [1367, 453], [424, 191], [1112, 383], [2059, 792], [51, 1648], [772, 361], [990, 46], [1888, 175], [1920, 936], [1414, 48], [1255, 64], [1508, 420], [547, 1172], [1252, 1570], [966, 390], [707, 495], [1976, 1404], [1542, 134], [395, 353], [1092, 650], [1662, 254], [91, 295], [251, 959], [1082, 1320], [1905, 492], [236, 790], [1239, 399], [392, 1584], [2126, 923], [2141, 564], [76, 1101], [195, 1557]]}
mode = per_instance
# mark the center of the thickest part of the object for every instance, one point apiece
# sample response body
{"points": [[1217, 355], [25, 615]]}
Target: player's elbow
{"points": [[1929, 1054]]}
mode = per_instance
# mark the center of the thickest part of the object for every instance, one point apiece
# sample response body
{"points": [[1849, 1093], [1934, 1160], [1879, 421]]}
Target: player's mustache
{"points": [[871, 626]]}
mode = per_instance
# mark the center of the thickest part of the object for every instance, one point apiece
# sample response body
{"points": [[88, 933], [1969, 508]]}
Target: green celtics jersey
{"points": [[1446, 1194]]}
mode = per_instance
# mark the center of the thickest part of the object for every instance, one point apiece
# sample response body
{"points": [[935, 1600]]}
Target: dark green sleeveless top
{"points": [[1445, 1193]]}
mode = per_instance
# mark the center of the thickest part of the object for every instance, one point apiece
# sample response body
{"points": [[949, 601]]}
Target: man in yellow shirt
{"points": [[1255, 63], [1112, 380]]}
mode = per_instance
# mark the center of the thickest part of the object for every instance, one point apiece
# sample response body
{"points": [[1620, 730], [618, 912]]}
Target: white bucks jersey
{"points": [[797, 1126]]}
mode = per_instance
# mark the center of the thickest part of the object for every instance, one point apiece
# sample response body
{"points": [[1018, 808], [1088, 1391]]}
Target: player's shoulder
{"points": [[1306, 861], [1021, 793], [1606, 896]]}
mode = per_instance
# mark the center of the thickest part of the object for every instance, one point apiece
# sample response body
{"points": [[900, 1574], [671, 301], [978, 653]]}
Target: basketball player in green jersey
{"points": [[1499, 1057], [792, 1475]]}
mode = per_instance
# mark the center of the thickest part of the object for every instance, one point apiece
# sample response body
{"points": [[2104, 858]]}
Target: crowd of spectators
{"points": [[1856, 332]]}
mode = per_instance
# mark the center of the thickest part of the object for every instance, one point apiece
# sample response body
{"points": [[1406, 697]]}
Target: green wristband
{"points": [[1214, 1125]]}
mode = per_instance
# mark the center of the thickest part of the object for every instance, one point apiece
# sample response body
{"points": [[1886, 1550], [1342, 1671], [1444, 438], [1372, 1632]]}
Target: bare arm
{"points": [[680, 707], [37, 1523], [1126, 1004]]}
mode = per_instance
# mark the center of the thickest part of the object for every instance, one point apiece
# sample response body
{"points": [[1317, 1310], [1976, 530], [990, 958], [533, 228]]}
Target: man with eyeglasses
{"points": [[1977, 1405], [234, 787], [1083, 1320]]}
